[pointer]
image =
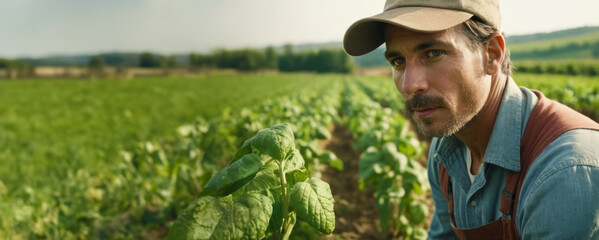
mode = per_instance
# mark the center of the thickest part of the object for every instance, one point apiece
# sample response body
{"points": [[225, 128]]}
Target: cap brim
{"points": [[367, 34]]}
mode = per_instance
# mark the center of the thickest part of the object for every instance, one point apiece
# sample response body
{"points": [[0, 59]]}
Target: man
{"points": [[497, 169]]}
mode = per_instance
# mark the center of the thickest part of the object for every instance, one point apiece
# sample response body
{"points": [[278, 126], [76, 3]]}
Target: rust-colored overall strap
{"points": [[444, 180], [548, 120]]}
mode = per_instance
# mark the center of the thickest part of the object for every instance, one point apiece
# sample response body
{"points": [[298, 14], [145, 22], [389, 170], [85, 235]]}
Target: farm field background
{"points": [[70, 124], [94, 159]]}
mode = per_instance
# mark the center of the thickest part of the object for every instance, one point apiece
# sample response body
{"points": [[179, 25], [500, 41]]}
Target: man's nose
{"points": [[413, 80]]}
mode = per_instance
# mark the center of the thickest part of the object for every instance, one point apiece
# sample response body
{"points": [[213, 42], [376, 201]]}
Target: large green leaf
{"points": [[266, 178], [313, 202], [236, 175], [245, 149], [294, 161], [241, 217], [276, 141], [192, 226], [300, 175], [276, 219]]}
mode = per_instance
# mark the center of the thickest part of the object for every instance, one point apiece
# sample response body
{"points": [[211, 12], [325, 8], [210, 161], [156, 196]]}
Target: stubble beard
{"points": [[453, 124]]}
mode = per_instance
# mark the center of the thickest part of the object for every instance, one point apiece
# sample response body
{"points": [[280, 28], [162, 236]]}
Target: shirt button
{"points": [[473, 203]]}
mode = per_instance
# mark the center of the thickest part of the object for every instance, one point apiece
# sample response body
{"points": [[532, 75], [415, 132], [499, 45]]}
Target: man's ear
{"points": [[495, 53]]}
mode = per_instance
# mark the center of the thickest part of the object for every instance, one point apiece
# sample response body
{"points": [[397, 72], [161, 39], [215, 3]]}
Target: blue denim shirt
{"points": [[559, 197]]}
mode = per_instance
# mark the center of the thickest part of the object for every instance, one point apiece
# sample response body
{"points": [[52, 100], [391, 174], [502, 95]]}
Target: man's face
{"points": [[442, 80]]}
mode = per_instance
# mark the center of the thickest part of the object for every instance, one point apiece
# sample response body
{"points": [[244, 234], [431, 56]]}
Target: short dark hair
{"points": [[479, 33]]}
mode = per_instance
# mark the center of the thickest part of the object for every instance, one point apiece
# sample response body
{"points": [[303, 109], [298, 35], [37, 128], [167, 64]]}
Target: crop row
{"points": [[389, 161]]}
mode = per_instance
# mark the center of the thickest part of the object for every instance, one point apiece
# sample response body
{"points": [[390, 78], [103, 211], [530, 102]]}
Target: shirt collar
{"points": [[504, 146], [503, 149]]}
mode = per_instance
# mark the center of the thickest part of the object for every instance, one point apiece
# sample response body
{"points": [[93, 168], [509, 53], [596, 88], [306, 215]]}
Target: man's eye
{"points": [[398, 61], [434, 53]]}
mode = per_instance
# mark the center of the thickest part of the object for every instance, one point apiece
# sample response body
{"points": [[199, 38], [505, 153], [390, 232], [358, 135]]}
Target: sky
{"points": [[39, 28]]}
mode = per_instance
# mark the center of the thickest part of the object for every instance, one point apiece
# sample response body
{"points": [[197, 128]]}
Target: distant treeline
{"points": [[143, 60], [585, 68], [325, 60], [375, 58], [16, 68], [321, 61]]}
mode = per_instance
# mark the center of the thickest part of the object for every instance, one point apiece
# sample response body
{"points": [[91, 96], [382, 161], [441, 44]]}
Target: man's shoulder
{"points": [[573, 148], [561, 184], [560, 134]]}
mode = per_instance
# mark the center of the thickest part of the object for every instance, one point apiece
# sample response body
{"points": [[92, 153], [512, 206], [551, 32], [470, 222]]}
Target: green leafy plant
{"points": [[260, 194], [388, 162], [399, 182]]}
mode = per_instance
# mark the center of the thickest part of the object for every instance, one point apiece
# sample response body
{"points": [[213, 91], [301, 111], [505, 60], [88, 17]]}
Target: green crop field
{"points": [[121, 159], [49, 127], [580, 93]]}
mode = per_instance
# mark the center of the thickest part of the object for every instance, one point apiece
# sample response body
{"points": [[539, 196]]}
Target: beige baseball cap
{"points": [[368, 34]]}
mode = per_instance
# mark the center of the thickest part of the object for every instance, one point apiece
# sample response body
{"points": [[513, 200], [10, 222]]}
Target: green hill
{"points": [[578, 43], [568, 33]]}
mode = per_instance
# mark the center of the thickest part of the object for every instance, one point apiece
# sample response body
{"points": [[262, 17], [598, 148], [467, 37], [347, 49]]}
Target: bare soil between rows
{"points": [[355, 212]]}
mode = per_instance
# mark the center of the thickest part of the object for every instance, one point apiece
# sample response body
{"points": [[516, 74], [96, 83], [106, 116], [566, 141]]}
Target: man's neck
{"points": [[477, 133]]}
